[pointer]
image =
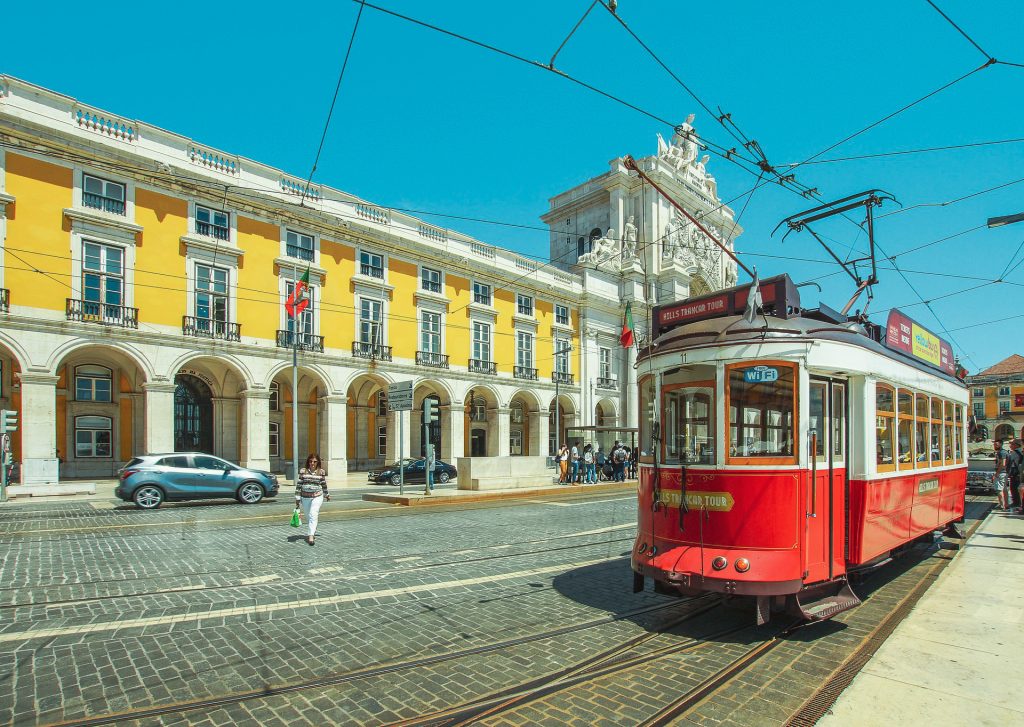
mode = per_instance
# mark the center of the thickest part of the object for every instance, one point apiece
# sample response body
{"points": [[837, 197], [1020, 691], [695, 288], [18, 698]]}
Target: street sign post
{"points": [[400, 399]]}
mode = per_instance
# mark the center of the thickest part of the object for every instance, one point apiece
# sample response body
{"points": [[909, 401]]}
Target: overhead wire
{"points": [[947, 203], [903, 152]]}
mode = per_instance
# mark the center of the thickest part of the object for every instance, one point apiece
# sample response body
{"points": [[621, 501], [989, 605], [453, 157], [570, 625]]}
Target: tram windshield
{"points": [[762, 406]]}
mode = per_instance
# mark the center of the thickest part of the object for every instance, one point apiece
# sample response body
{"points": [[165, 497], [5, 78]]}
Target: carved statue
{"points": [[683, 149], [730, 274], [606, 249], [629, 241]]}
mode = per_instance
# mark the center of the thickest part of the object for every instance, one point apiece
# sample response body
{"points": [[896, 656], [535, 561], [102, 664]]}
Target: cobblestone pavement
{"points": [[395, 613]]}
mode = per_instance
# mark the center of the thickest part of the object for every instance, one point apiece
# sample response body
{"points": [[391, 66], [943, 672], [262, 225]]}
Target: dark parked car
{"points": [[415, 471], [152, 478]]}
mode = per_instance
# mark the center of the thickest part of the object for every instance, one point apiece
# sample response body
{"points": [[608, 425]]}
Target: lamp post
{"points": [[558, 406], [1005, 220]]}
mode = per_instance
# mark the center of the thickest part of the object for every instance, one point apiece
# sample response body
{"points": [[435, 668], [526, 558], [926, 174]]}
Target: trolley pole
{"points": [[295, 386]]}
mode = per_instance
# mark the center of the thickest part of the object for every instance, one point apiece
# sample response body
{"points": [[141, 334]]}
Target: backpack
{"points": [[600, 458], [619, 455], [1013, 464], [588, 457]]}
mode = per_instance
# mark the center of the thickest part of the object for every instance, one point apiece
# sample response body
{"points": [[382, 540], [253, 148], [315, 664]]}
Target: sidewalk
{"points": [[958, 658]]}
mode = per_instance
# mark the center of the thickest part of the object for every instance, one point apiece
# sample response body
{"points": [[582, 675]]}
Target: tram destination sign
{"points": [[779, 296], [909, 337]]}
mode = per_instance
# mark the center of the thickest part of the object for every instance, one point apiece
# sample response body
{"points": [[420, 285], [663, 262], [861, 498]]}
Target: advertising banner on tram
{"points": [[910, 337]]}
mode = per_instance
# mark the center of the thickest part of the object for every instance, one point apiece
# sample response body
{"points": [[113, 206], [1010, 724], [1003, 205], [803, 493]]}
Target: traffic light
{"points": [[429, 411], [8, 421]]}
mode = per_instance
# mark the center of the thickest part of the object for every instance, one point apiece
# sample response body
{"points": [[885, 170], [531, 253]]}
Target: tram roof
{"points": [[718, 319]]}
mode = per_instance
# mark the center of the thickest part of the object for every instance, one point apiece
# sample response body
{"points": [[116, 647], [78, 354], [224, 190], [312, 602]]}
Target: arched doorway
{"points": [[193, 415], [1004, 432]]}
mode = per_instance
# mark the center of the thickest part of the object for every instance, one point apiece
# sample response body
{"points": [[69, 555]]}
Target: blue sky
{"points": [[426, 122]]}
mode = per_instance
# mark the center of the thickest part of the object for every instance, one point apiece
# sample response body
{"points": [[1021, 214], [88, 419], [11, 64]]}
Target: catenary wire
{"points": [[947, 203], [903, 152], [962, 32]]}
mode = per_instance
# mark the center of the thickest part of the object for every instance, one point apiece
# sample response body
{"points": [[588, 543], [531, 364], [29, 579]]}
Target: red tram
{"points": [[791, 450]]}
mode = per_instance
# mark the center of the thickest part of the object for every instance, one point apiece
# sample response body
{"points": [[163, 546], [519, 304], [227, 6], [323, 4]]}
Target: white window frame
{"points": [[515, 441], [978, 393], [604, 364], [1004, 391], [79, 171], [274, 439], [566, 313], [1004, 405], [95, 430], [80, 281], [105, 180], [426, 279], [227, 294], [372, 254], [285, 231], [439, 333], [287, 284], [522, 298], [93, 378], [382, 441], [275, 396], [382, 323], [979, 410], [527, 360], [382, 403], [194, 222], [473, 348], [490, 293], [562, 362]]}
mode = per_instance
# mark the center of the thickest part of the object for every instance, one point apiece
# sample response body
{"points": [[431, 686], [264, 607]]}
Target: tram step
{"points": [[824, 602]]}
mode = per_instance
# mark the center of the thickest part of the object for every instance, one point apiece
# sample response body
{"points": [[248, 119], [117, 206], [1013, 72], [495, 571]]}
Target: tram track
{"points": [[308, 580], [691, 608]]}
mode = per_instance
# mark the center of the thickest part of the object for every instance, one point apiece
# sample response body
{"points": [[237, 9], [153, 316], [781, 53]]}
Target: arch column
{"points": [[225, 427], [540, 429], [159, 427], [38, 423], [499, 426], [453, 422], [398, 449], [255, 434], [334, 435]]}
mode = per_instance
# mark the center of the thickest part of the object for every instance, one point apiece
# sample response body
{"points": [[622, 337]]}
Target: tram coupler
{"points": [[638, 582]]}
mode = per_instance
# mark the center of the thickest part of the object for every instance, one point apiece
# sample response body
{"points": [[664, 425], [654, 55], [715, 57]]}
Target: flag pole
{"points": [[295, 383]]}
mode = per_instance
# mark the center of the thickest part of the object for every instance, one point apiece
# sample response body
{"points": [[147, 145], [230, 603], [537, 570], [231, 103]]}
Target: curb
{"points": [[419, 498]]}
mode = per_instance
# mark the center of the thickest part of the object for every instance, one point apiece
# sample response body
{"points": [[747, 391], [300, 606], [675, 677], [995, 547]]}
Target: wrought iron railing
{"points": [[218, 231], [434, 286], [99, 202], [478, 366], [371, 271], [88, 311], [562, 377], [375, 351], [603, 382], [5, 300], [301, 253], [305, 341], [205, 328], [429, 358], [525, 372]]}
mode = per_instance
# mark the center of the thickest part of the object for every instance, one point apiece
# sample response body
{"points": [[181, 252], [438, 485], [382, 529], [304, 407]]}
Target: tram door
{"points": [[824, 533]]}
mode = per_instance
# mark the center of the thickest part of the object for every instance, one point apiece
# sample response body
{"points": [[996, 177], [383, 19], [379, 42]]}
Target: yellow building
{"points": [[997, 401], [143, 287]]}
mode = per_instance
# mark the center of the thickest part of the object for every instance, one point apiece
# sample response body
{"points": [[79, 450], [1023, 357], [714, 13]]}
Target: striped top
{"points": [[311, 484]]}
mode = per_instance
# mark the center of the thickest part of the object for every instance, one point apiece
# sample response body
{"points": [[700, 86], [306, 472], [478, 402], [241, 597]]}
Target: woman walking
{"points": [[563, 464], [310, 493]]}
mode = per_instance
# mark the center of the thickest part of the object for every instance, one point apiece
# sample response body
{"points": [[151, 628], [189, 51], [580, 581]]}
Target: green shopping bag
{"points": [[296, 522]]}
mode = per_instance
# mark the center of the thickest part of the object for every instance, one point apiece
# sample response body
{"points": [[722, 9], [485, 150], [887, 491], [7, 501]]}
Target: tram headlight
{"points": [[742, 565], [653, 551], [642, 547], [720, 562]]}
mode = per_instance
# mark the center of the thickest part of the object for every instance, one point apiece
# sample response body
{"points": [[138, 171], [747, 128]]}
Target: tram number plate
{"points": [[760, 375]]}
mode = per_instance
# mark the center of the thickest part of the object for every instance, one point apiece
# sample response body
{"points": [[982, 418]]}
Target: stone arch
{"points": [[15, 351], [605, 414], [212, 363], [569, 412], [314, 370], [480, 432], [1004, 431], [100, 407], [12, 363], [313, 385], [527, 431], [439, 435], [369, 428]]}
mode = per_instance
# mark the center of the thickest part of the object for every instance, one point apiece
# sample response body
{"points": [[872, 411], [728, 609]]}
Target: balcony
{"points": [[5, 300], [300, 253], [303, 341], [433, 286], [524, 372], [371, 271], [604, 382], [561, 377], [205, 328], [477, 366], [428, 358], [218, 231], [89, 311], [99, 202], [372, 351]]}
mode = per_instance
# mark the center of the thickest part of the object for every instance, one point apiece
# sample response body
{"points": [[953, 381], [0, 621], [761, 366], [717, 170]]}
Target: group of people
{"points": [[581, 465], [1009, 475]]}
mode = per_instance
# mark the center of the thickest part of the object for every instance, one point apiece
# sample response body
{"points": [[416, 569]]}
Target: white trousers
{"points": [[311, 512]]}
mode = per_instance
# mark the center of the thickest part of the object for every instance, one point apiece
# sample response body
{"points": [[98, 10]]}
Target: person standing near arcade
{"points": [[428, 465], [1002, 490], [563, 464], [1014, 474], [310, 493]]}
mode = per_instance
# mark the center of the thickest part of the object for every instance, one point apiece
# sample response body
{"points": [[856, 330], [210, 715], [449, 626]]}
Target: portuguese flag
{"points": [[298, 300], [626, 338]]}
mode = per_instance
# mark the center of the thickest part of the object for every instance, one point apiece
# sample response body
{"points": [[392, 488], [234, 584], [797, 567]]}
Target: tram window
{"points": [[921, 424], [935, 451], [816, 422], [905, 429], [838, 420], [958, 434], [885, 415], [646, 406], [689, 423], [947, 439], [762, 409]]}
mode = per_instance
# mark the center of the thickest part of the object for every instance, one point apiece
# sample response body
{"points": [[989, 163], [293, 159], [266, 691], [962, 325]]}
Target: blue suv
{"points": [[153, 478]]}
